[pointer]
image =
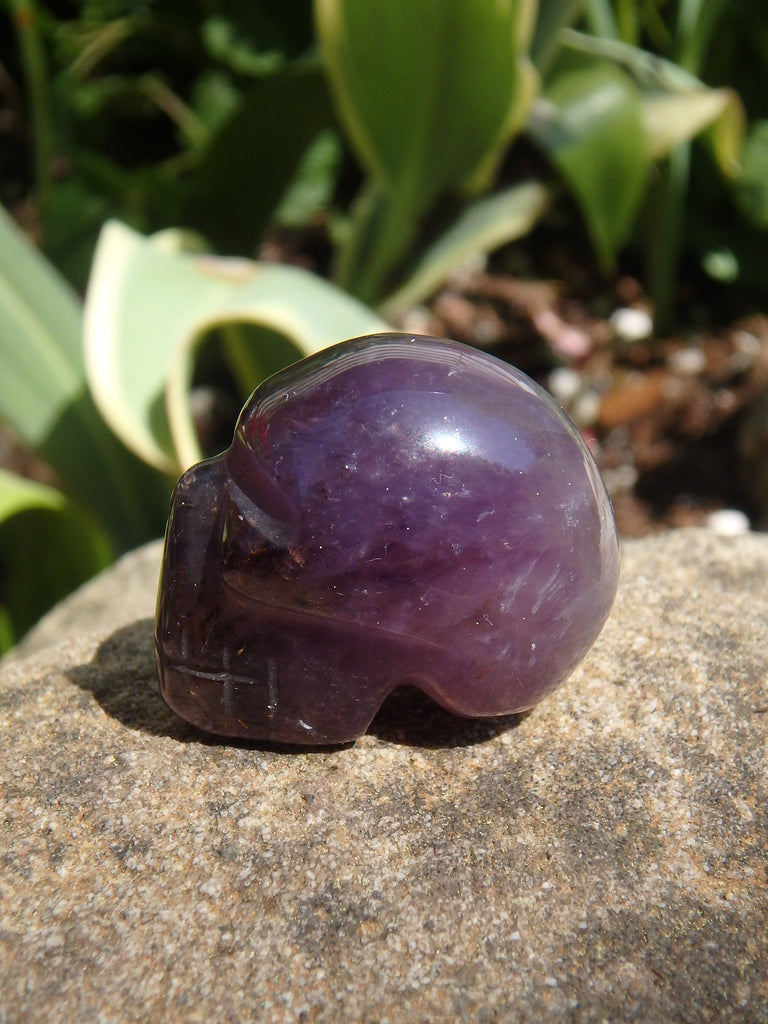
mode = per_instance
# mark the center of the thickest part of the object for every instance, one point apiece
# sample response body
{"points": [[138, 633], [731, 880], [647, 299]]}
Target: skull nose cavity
{"points": [[255, 478], [245, 515]]}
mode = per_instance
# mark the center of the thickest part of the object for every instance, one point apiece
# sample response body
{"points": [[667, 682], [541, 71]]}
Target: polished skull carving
{"points": [[396, 509]]}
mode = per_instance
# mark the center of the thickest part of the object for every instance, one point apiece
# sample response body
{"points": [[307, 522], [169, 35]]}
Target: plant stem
{"points": [[26, 21], [175, 108], [667, 212], [696, 22], [241, 358], [628, 19], [384, 224], [601, 19]]}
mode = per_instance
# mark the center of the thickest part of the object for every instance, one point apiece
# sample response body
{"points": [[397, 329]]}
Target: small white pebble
{"points": [[687, 361], [728, 522], [564, 384], [747, 343], [586, 409], [417, 320], [486, 332], [725, 401], [631, 324], [622, 478]]}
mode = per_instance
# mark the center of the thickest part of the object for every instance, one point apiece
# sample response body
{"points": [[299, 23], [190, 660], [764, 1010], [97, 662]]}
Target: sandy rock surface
{"points": [[602, 858]]}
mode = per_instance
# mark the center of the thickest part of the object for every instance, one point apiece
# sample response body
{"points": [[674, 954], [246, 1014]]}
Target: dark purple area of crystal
{"points": [[393, 510]]}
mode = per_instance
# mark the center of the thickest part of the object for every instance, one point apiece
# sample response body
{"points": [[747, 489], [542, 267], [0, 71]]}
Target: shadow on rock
{"points": [[410, 718], [122, 677]]}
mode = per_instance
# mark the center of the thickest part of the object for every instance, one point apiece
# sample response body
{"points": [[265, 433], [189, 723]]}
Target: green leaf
{"points": [[253, 157], [697, 21], [482, 226], [551, 17], [429, 92], [149, 305], [589, 122], [677, 106], [601, 19], [222, 40], [751, 187], [670, 119], [43, 396], [311, 190], [425, 87], [47, 548], [40, 338]]}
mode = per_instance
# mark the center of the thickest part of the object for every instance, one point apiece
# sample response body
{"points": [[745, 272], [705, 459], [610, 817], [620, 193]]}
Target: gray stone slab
{"points": [[602, 858]]}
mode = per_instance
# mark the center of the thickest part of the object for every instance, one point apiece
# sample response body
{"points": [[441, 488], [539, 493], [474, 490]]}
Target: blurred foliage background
{"points": [[218, 116], [382, 143]]}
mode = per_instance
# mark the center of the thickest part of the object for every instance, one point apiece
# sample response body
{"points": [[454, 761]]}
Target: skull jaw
{"points": [[235, 666], [253, 709]]}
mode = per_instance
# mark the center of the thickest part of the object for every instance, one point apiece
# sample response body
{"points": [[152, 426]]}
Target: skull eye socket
{"points": [[252, 476], [252, 541]]}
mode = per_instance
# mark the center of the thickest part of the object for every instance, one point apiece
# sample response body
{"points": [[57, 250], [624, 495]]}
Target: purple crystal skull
{"points": [[396, 509]]}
